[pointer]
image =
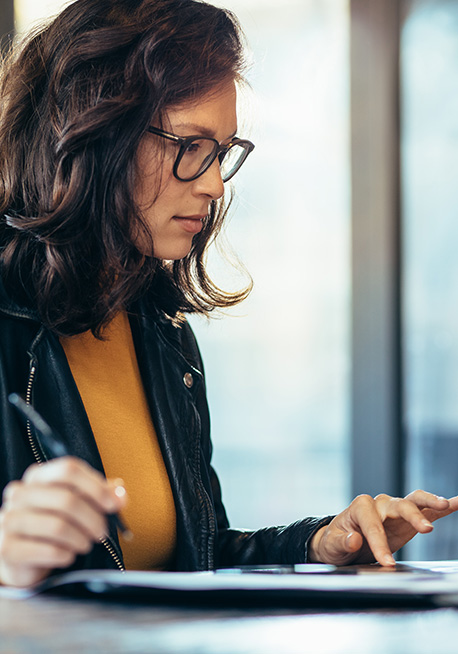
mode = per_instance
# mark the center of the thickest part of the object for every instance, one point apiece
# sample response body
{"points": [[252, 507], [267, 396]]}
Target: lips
{"points": [[191, 224]]}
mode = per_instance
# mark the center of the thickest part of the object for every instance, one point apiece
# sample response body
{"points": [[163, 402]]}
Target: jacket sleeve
{"points": [[234, 547]]}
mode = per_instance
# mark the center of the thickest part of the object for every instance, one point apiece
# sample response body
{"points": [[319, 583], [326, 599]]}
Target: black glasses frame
{"points": [[219, 151]]}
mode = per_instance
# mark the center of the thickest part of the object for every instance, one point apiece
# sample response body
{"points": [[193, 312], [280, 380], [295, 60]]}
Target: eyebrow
{"points": [[199, 129]]}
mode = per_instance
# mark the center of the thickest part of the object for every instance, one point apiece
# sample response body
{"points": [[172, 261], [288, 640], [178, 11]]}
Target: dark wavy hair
{"points": [[76, 99]]}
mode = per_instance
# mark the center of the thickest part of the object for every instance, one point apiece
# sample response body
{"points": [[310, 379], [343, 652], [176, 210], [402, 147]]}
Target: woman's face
{"points": [[175, 213]]}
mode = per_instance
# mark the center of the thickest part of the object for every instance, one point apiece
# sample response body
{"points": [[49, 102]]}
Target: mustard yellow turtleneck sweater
{"points": [[108, 380]]}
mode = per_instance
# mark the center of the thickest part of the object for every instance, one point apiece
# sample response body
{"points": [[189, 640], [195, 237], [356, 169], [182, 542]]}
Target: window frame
{"points": [[377, 436]]}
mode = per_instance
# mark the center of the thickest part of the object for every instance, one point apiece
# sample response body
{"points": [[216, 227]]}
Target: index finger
{"points": [[78, 476], [367, 519], [435, 514], [425, 500]]}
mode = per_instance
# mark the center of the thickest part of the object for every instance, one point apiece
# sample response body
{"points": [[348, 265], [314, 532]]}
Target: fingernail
{"points": [[439, 497], [388, 560], [427, 523]]}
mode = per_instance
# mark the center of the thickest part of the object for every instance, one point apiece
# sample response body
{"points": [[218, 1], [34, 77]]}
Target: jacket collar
{"points": [[143, 306], [9, 307]]}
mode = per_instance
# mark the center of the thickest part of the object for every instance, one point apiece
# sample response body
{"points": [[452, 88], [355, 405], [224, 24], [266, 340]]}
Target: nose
{"points": [[210, 183]]}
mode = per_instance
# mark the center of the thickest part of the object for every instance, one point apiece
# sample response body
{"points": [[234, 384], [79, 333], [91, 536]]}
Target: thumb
{"points": [[342, 547]]}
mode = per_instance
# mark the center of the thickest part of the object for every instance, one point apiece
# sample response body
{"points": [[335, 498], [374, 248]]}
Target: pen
{"points": [[53, 444]]}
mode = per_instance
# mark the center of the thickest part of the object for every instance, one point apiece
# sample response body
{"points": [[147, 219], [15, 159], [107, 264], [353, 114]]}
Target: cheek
{"points": [[170, 194], [158, 207], [156, 188]]}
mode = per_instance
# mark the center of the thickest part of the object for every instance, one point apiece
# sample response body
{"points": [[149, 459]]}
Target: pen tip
{"points": [[127, 535]]}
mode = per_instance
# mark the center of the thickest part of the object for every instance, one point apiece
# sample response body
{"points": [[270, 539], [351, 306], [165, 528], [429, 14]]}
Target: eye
{"points": [[193, 147]]}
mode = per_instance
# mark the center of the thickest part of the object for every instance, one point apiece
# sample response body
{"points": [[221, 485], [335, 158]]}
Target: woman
{"points": [[117, 133]]}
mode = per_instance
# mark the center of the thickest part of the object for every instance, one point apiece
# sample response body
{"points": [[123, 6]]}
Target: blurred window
{"points": [[429, 74], [29, 13]]}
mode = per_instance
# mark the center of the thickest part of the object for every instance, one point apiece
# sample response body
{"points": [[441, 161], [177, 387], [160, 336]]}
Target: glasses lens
{"points": [[197, 156], [232, 161]]}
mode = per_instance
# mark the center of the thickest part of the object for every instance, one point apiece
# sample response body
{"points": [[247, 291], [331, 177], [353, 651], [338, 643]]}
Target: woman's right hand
{"points": [[55, 512]]}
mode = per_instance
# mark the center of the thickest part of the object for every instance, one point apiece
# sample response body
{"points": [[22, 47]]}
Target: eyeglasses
{"points": [[197, 153]]}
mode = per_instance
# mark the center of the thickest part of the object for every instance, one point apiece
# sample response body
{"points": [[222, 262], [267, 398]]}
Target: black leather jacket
{"points": [[33, 363]]}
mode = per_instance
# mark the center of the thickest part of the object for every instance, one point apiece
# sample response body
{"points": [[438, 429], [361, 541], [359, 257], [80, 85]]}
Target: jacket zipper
{"points": [[106, 542], [211, 538], [28, 399], [210, 514]]}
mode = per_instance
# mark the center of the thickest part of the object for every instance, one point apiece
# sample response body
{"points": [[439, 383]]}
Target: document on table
{"points": [[308, 584]]}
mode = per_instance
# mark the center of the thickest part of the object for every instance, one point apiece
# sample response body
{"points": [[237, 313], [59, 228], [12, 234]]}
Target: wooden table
{"points": [[49, 624]]}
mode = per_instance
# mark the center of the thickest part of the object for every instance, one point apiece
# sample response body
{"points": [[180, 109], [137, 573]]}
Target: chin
{"points": [[172, 254]]}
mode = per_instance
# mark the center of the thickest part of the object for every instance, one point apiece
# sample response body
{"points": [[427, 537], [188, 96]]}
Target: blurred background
{"points": [[339, 375]]}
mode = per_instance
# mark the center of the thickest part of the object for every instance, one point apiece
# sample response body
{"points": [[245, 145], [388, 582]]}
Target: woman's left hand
{"points": [[371, 529]]}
